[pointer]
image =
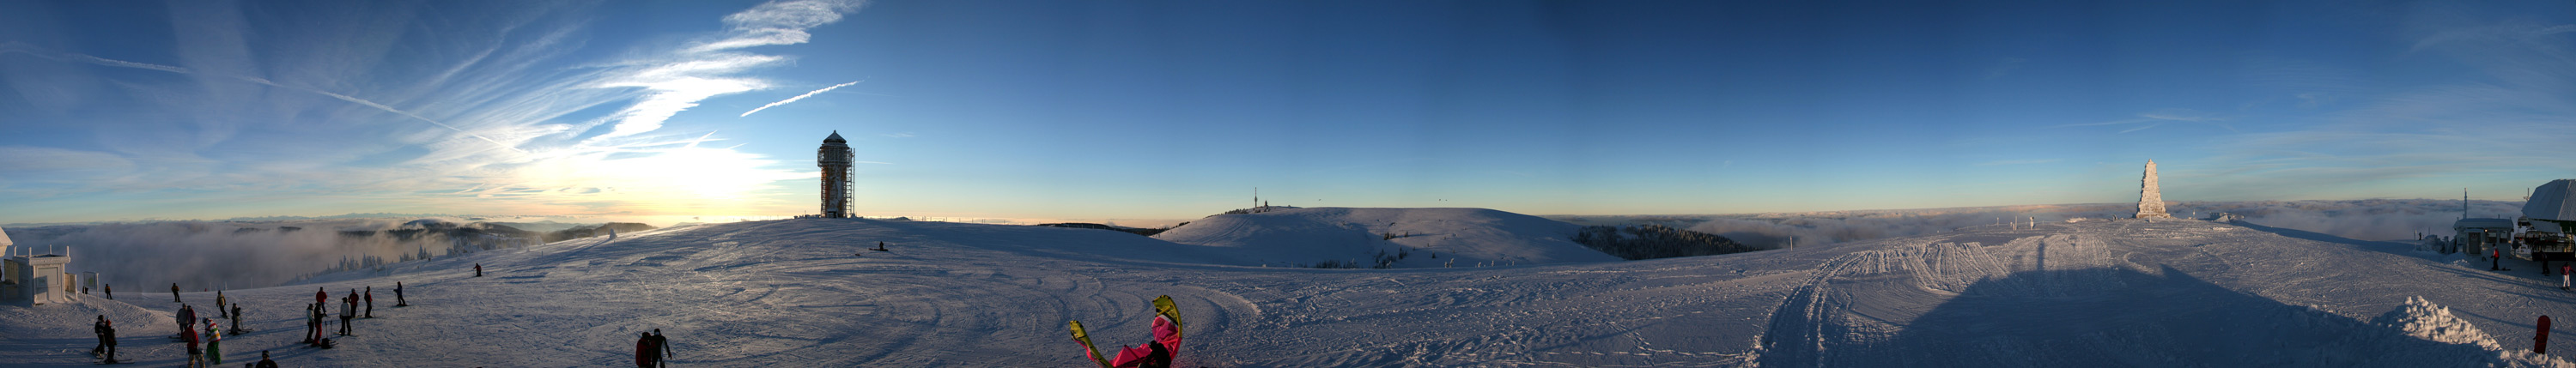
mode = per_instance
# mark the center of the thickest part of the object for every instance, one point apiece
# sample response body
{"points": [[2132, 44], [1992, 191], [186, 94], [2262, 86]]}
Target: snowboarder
{"points": [[398, 297], [478, 270], [644, 354], [264, 362], [174, 292], [214, 343], [106, 350], [220, 302], [662, 345], [371, 302], [348, 309], [237, 317], [1155, 354]]}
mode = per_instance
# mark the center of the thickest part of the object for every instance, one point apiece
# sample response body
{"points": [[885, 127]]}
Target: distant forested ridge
{"points": [[1655, 241]]}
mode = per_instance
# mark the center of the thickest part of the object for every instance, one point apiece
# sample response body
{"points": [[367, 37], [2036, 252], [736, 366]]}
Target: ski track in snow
{"points": [[790, 293]]}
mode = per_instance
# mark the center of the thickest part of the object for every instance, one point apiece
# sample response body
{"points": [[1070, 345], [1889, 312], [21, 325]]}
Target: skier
{"points": [[264, 362], [237, 317], [174, 292], [644, 354], [478, 270], [106, 350], [219, 304], [398, 297], [1155, 354], [663, 346], [348, 309], [371, 302], [214, 343]]}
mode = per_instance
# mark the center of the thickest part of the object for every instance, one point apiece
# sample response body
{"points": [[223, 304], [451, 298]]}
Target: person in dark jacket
{"points": [[478, 270], [187, 314], [264, 362], [371, 302], [398, 297], [106, 350], [174, 292], [662, 345], [644, 350], [109, 289], [237, 319]]}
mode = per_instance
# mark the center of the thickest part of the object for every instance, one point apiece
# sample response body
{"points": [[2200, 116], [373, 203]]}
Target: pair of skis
{"points": [[1162, 308]]}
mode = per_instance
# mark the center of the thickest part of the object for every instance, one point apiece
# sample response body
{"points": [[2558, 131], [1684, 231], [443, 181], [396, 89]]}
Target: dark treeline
{"points": [[1655, 241], [1123, 229], [591, 231]]}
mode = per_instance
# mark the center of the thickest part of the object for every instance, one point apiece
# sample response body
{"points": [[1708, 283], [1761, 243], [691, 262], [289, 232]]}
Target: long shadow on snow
{"points": [[2136, 319], [2401, 249]]}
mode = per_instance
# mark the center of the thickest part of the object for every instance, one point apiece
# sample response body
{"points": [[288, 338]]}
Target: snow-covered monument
{"points": [[835, 158], [2151, 205], [33, 277]]}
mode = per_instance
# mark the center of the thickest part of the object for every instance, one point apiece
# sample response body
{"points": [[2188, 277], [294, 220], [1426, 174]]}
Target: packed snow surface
{"points": [[803, 293]]}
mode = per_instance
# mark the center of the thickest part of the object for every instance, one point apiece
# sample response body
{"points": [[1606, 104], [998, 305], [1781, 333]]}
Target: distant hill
{"points": [[1389, 237]]}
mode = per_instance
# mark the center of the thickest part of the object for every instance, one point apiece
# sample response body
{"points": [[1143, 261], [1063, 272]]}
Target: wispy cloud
{"points": [[678, 82], [2152, 119], [798, 97], [778, 23]]}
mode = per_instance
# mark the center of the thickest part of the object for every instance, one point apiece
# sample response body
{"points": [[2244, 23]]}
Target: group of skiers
{"points": [[317, 314], [202, 334], [204, 337]]}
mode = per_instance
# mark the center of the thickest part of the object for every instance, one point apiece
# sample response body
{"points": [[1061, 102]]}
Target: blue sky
{"points": [[1173, 110]]}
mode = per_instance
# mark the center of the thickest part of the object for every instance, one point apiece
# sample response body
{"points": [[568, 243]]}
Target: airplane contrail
{"points": [[799, 97]]}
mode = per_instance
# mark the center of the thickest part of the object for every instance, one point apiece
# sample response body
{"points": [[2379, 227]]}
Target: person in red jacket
{"points": [[644, 354], [371, 302], [2562, 275]]}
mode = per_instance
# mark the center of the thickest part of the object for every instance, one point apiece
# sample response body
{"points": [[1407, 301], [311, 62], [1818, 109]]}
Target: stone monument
{"points": [[2151, 205]]}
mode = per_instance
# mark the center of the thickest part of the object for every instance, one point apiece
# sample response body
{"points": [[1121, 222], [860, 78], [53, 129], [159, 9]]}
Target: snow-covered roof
{"points": [[2549, 201]]}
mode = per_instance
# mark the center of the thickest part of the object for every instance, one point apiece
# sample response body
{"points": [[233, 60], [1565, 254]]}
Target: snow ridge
{"points": [[2425, 320]]}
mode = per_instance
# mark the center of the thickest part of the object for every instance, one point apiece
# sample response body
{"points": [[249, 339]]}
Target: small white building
{"points": [[34, 278]]}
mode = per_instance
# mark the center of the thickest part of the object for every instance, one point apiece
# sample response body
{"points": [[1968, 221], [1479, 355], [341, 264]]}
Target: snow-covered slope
{"points": [[802, 293], [1460, 236]]}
